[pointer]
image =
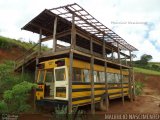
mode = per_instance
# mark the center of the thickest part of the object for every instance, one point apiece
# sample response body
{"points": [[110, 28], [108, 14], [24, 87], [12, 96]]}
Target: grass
{"points": [[8, 43], [154, 63], [145, 71]]}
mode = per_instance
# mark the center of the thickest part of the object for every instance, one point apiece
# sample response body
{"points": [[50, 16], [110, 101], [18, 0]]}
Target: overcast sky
{"points": [[118, 15]]}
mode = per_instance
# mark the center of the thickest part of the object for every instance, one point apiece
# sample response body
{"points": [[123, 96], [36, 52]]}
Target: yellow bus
{"points": [[53, 78]]}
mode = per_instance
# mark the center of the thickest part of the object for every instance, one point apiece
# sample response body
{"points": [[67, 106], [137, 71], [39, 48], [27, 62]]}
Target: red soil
{"points": [[11, 54]]}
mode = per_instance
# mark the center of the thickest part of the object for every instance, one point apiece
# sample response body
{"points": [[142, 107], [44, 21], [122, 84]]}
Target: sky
{"points": [[136, 21]]}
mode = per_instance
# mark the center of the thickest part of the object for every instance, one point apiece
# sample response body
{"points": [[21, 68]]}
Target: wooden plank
{"points": [[82, 49], [54, 34]]}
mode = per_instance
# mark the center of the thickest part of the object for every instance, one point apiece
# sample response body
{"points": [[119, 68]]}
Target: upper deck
{"points": [[84, 35]]}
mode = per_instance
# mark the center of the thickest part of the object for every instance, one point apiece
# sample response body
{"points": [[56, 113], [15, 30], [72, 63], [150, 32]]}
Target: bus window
{"points": [[49, 75], [77, 74], [117, 78], [102, 77], [60, 74], [110, 78], [41, 75], [86, 75], [125, 79], [96, 76]]}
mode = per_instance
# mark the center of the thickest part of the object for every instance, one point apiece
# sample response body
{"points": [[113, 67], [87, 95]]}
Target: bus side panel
{"points": [[81, 92]]}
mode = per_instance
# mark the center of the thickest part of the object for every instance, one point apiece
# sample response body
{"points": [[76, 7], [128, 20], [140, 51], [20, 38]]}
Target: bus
{"points": [[53, 78]]}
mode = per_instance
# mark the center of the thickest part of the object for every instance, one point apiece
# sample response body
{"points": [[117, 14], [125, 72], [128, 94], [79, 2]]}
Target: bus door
{"points": [[61, 83]]}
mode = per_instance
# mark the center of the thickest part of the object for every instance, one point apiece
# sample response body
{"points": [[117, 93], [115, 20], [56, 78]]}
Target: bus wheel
{"points": [[103, 105]]}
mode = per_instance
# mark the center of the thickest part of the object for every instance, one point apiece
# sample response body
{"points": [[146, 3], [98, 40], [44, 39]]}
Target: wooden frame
{"points": [[86, 26]]}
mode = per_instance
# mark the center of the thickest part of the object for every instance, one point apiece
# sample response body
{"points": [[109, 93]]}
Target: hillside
{"points": [[10, 49], [146, 71]]}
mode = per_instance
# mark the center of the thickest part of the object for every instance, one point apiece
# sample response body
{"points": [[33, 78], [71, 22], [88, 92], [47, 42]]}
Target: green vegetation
{"points": [[146, 71], [145, 64], [14, 89], [61, 114], [138, 88], [8, 43], [14, 100]]}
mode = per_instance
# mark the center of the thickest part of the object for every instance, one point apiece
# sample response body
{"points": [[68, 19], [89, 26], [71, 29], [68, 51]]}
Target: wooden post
{"points": [[36, 68], [105, 74], [92, 87], [112, 53], [92, 78], [54, 35], [121, 77], [132, 76], [73, 33], [70, 83], [40, 37], [73, 39], [130, 85], [125, 60]]}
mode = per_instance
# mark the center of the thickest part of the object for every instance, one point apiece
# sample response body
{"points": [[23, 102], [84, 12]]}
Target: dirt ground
{"points": [[11, 54], [148, 102]]}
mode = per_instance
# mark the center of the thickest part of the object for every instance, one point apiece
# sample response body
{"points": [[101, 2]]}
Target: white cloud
{"points": [[15, 14]]}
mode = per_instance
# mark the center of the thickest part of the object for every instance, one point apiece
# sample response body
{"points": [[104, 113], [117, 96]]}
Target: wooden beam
{"points": [[91, 46], [85, 20], [119, 57], [58, 35], [121, 77], [112, 53], [92, 86], [36, 74], [70, 83], [40, 37], [73, 33], [92, 78], [105, 75], [54, 34], [40, 27], [63, 33], [132, 76], [73, 41]]}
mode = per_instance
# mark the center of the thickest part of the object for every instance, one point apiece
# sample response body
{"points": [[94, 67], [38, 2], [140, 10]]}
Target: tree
{"points": [[145, 59]]}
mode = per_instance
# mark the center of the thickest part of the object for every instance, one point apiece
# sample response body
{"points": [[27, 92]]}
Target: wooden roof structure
{"points": [[83, 21]]}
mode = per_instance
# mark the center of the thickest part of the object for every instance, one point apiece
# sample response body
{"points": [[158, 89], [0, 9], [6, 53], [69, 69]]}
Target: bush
{"points": [[9, 79], [138, 88], [3, 107], [14, 100]]}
